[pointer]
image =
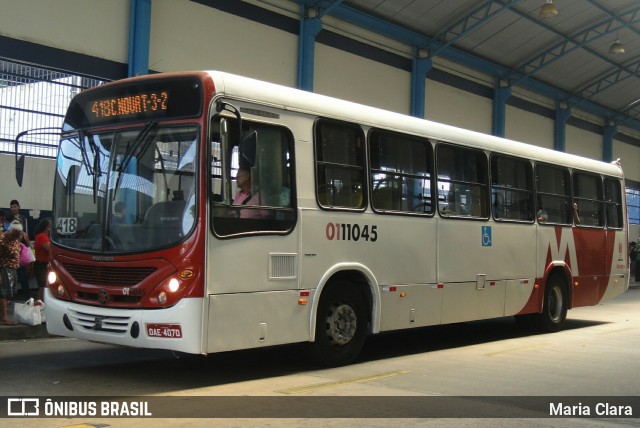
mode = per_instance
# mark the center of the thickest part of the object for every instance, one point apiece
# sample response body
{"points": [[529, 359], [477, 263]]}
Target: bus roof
{"points": [[287, 98]]}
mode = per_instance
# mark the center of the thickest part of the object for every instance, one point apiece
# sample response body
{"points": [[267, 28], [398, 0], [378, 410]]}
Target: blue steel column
{"points": [[421, 66], [139, 35], [610, 131], [563, 113], [501, 93], [309, 29]]}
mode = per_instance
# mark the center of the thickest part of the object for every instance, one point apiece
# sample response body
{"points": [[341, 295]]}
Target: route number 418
{"points": [[66, 225]]}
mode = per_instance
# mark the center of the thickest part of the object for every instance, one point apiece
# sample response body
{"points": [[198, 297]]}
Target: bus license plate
{"points": [[173, 331]]}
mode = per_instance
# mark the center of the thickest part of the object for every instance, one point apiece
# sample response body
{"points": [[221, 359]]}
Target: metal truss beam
{"points": [[476, 18], [616, 76], [568, 44]]}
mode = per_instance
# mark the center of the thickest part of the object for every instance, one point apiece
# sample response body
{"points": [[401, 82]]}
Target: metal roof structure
{"points": [[565, 57]]}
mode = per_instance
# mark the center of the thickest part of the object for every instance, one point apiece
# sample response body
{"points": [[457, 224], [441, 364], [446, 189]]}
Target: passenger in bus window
{"points": [[247, 195], [543, 215], [576, 213]]}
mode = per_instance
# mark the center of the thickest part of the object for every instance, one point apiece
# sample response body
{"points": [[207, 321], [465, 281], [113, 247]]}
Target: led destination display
{"points": [[135, 102], [131, 105]]}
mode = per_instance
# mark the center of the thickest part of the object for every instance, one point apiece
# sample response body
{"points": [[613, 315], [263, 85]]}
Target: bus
{"points": [[203, 212]]}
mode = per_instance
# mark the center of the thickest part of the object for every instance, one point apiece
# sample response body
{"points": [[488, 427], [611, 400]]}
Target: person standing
{"points": [[23, 271], [41, 248], [9, 263], [15, 214]]}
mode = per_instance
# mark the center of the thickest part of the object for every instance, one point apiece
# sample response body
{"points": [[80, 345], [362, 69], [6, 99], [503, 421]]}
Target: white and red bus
{"points": [[356, 221]]}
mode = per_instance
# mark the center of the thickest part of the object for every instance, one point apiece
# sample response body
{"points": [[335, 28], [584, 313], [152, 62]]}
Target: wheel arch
{"points": [[358, 276], [564, 271]]}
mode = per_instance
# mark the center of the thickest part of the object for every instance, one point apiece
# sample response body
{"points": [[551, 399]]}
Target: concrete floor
{"points": [[485, 366]]}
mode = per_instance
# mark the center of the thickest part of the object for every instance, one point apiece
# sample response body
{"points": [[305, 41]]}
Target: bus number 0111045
{"points": [[351, 232]]}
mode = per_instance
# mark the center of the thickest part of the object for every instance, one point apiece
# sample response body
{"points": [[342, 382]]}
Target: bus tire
{"points": [[554, 307], [341, 325]]}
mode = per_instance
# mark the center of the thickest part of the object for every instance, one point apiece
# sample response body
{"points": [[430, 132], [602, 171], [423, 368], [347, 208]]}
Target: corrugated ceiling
{"points": [[568, 52]]}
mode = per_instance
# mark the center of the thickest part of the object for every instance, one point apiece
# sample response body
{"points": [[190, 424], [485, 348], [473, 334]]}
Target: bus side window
{"points": [[587, 191], [553, 195], [401, 172], [340, 157], [511, 188], [462, 181], [257, 196], [613, 200]]}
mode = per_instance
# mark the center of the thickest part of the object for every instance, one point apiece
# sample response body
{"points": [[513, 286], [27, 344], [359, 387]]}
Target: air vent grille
{"points": [[282, 266]]}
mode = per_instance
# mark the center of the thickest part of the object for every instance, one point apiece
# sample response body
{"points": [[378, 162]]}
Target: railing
{"points": [[35, 97]]}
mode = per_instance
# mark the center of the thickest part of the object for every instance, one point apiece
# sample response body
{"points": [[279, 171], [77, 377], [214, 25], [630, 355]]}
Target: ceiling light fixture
{"points": [[617, 48], [548, 10]]}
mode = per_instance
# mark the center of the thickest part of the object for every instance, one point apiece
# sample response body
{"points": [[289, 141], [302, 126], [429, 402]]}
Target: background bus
{"points": [[356, 221]]}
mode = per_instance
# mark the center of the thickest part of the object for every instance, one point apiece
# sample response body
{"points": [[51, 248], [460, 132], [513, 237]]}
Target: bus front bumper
{"points": [[178, 328]]}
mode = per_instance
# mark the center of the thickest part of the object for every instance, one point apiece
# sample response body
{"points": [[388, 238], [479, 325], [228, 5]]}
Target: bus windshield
{"points": [[125, 190]]}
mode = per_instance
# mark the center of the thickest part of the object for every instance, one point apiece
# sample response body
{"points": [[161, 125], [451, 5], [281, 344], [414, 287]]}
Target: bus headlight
{"points": [[162, 298], [173, 285], [56, 286], [173, 288]]}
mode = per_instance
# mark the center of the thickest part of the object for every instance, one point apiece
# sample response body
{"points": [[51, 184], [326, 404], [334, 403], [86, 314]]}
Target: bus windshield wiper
{"points": [[131, 150], [83, 151], [92, 169], [97, 172]]}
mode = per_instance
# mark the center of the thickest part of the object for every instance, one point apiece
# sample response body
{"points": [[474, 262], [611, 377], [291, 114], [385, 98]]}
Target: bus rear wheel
{"points": [[554, 308], [341, 325]]}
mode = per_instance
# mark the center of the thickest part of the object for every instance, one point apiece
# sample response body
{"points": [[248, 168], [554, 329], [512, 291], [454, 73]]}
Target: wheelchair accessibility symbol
{"points": [[486, 236]]}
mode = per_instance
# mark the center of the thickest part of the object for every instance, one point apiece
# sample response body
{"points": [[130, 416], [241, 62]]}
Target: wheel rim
{"points": [[342, 323], [555, 304]]}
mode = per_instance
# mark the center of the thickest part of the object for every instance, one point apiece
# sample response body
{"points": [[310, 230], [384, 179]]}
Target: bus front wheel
{"points": [[554, 308], [341, 325]]}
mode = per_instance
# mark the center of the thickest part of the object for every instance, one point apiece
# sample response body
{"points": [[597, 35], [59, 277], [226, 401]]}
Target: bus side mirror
{"points": [[248, 143], [248, 139], [19, 169], [20, 158]]}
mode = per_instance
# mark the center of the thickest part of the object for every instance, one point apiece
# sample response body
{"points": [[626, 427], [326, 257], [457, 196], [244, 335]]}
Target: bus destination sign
{"points": [[136, 101], [148, 104]]}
